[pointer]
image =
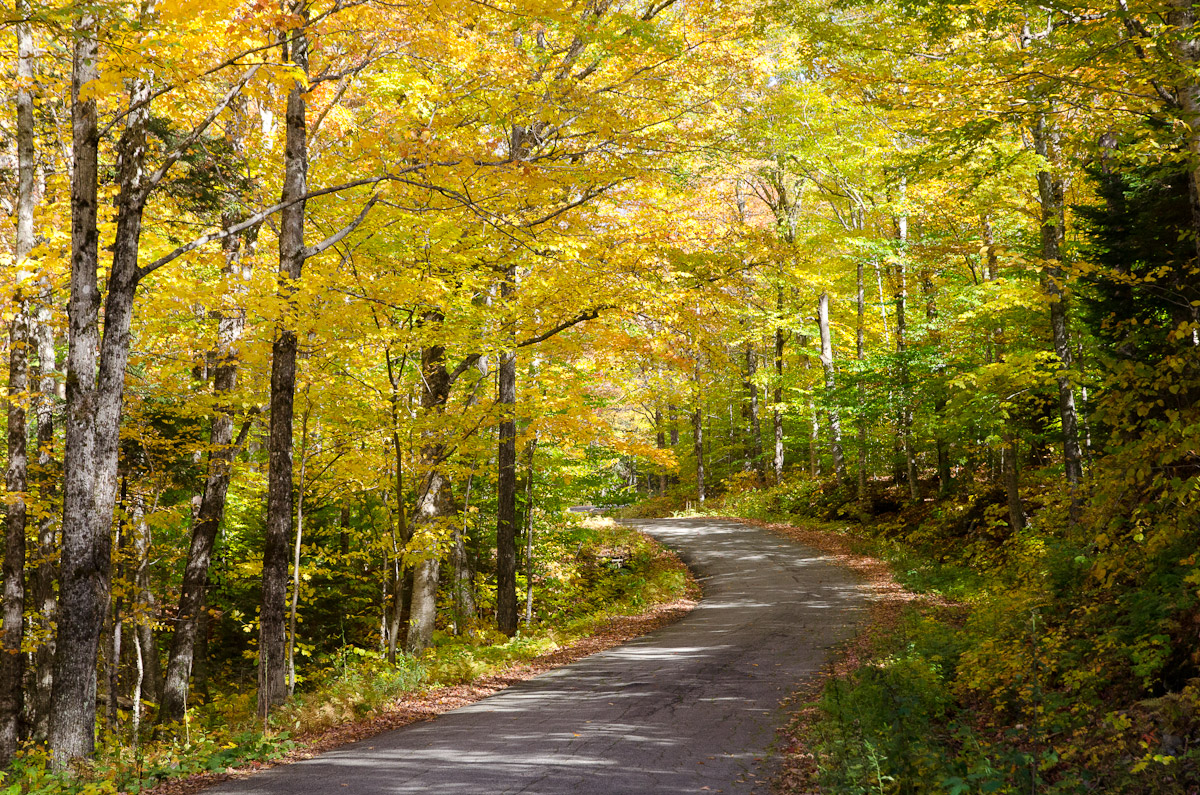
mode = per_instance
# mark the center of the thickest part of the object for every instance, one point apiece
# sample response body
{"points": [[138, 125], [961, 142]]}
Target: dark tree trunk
{"points": [[403, 607], [200, 665], [756, 446], [860, 355], [1012, 484], [506, 484], [397, 621], [1186, 47], [272, 660], [344, 530], [941, 443], [1052, 198], [698, 449], [231, 323], [660, 441], [906, 412], [531, 450], [12, 668], [777, 411]]}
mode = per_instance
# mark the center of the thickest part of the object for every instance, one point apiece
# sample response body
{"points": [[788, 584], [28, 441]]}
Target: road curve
{"points": [[688, 708]]}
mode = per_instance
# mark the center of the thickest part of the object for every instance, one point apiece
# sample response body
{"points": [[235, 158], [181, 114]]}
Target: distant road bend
{"points": [[689, 708]]}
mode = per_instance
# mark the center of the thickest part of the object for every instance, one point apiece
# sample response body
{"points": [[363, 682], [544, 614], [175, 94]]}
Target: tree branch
{"points": [[259, 217], [337, 237], [587, 197], [177, 152], [590, 314]]}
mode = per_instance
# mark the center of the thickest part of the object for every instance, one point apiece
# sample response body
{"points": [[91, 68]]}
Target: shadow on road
{"points": [[689, 708]]}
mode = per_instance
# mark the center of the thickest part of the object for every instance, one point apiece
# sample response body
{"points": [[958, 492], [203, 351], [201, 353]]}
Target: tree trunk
{"points": [[660, 442], [115, 627], [941, 443], [1052, 197], [12, 661], [200, 665], [272, 647], [506, 484], [906, 413], [835, 421], [135, 728], [777, 410], [231, 324], [859, 355], [149, 673], [1186, 46], [129, 514], [12, 668], [814, 441], [84, 561], [756, 445], [44, 576], [424, 593], [434, 502], [401, 577], [344, 530], [698, 449], [532, 450], [1012, 485], [396, 624], [296, 548], [465, 611]]}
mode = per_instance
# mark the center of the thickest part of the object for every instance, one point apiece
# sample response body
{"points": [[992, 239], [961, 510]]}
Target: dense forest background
{"points": [[319, 315]]}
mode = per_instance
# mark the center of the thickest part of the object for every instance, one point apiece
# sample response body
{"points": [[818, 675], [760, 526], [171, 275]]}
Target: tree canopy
{"points": [[319, 314]]}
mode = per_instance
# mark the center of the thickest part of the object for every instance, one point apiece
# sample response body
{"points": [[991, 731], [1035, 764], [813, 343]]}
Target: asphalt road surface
{"points": [[689, 708]]}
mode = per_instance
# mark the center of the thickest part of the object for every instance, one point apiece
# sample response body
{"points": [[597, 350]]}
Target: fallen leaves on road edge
{"points": [[427, 704]]}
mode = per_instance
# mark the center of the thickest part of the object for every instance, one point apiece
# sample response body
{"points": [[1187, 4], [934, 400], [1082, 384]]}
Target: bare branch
{"points": [[337, 237], [586, 197], [173, 156], [257, 218], [590, 314]]}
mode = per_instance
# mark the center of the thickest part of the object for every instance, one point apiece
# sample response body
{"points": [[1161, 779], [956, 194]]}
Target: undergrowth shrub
{"points": [[885, 726]]}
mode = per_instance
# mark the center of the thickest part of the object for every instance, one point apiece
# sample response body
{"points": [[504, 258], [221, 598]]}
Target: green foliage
{"points": [[884, 728], [358, 685]]}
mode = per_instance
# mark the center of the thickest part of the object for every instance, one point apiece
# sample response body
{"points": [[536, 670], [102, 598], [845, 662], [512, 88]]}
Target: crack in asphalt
{"points": [[692, 707]]}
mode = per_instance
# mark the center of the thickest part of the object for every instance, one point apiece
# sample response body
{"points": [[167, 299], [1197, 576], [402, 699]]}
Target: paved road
{"points": [[689, 708]]}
